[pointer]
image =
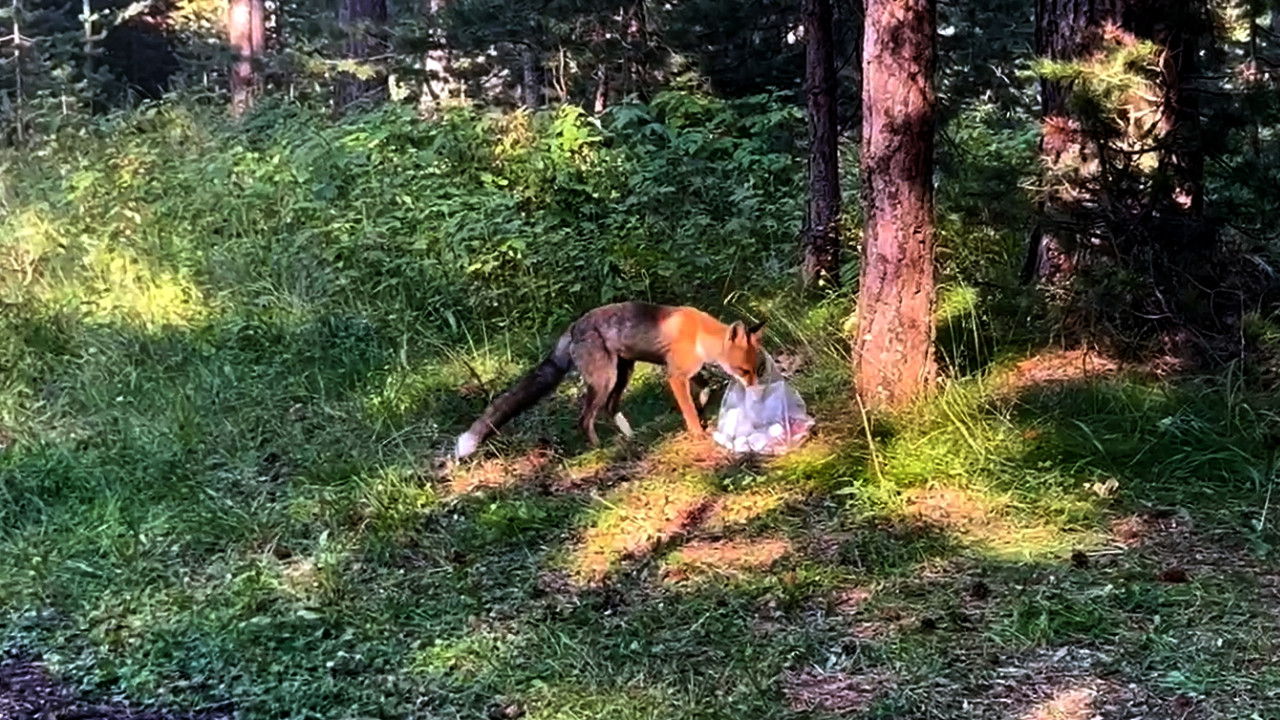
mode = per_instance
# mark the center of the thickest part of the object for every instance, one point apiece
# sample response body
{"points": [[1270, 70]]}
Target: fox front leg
{"points": [[679, 383]]}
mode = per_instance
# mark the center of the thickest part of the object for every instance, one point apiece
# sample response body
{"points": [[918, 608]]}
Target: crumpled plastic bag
{"points": [[768, 418]]}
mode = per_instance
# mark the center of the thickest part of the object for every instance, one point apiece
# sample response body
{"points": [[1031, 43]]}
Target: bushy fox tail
{"points": [[535, 385]]}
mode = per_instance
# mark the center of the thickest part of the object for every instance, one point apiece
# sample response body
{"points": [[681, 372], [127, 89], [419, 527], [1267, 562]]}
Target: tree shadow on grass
{"points": [[638, 580], [1194, 443]]}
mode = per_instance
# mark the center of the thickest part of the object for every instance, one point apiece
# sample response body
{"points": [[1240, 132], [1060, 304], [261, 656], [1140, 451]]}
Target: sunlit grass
{"points": [[126, 291], [636, 520]]}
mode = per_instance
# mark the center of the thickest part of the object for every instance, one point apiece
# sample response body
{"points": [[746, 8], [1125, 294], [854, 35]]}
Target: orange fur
{"points": [[604, 345]]}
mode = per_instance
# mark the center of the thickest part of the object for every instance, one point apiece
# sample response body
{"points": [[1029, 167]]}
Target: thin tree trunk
{"points": [[894, 361], [246, 31], [822, 236], [364, 22], [1182, 159], [19, 102], [602, 89], [531, 95]]}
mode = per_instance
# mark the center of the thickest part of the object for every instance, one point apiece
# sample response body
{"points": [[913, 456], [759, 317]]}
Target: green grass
{"points": [[196, 517], [218, 483]]}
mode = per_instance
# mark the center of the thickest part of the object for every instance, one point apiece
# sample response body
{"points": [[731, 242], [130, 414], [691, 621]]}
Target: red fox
{"points": [[605, 344]]}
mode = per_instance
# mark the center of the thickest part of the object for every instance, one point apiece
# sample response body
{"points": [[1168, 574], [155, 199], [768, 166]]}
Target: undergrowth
{"points": [[231, 356]]}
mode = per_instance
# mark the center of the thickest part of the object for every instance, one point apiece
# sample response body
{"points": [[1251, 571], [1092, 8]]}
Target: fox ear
{"points": [[755, 332], [737, 331]]}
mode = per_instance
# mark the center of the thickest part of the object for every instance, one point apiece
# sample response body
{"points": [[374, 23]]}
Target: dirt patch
{"points": [[28, 691], [850, 600], [837, 693], [1137, 530], [951, 508], [1054, 368], [644, 519], [1065, 685], [724, 558]]}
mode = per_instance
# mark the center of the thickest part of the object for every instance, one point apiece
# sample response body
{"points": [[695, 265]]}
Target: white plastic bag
{"points": [[768, 418]]}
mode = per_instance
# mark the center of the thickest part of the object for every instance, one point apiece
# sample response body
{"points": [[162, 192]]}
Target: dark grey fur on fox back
{"points": [[532, 387]]}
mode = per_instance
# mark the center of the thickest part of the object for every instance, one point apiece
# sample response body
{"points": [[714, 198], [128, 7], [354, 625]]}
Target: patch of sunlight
{"points": [[501, 472], [636, 520], [394, 501], [564, 700], [737, 509], [987, 522], [820, 460], [299, 576], [312, 578], [723, 559], [516, 134], [1071, 703], [1053, 367], [952, 435], [956, 302], [128, 291], [678, 453], [27, 238], [197, 16]]}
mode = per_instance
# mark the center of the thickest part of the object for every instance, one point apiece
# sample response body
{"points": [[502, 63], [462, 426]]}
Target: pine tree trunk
{"points": [[1182, 156], [822, 235], [1089, 198], [894, 361], [1065, 30], [246, 33], [364, 22], [437, 85]]}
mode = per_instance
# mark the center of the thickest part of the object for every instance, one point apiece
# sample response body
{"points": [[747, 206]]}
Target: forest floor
{"points": [[1064, 538]]}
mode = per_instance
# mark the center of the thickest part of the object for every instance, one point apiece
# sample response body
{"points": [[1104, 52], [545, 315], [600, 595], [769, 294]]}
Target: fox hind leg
{"points": [[625, 368], [599, 371]]}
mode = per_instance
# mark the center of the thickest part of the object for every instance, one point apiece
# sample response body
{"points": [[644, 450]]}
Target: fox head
{"points": [[742, 352]]}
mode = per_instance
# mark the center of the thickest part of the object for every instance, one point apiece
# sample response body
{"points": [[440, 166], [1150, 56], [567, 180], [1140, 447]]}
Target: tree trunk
{"points": [[531, 95], [246, 30], [364, 23], [894, 361], [602, 89], [1182, 156], [1097, 170], [437, 83], [1065, 30], [822, 235]]}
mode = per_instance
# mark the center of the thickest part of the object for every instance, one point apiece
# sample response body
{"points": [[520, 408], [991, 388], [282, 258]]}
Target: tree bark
{"points": [[894, 360], [1182, 156], [364, 23], [1065, 30], [1097, 171], [822, 234], [246, 30], [531, 80]]}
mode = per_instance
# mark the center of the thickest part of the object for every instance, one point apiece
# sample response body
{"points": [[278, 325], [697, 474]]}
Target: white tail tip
{"points": [[467, 444]]}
